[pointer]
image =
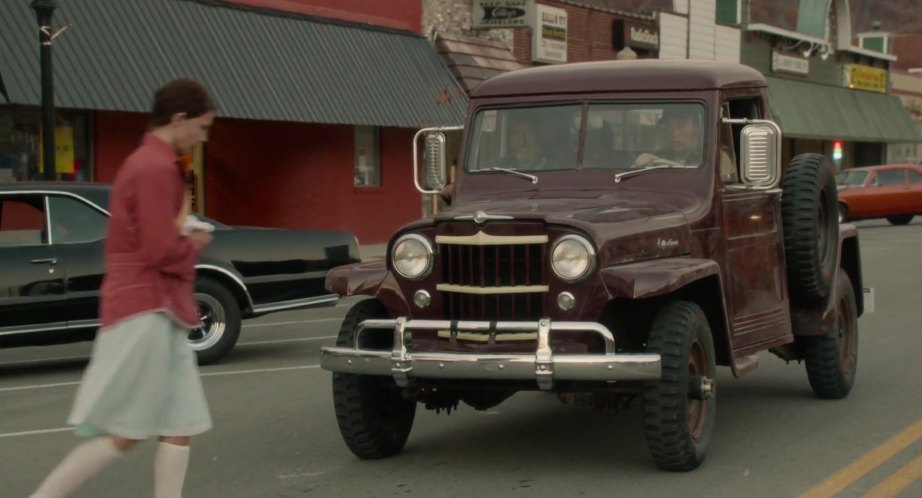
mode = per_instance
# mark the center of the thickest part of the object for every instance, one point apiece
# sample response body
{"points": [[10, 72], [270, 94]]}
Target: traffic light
{"points": [[837, 150]]}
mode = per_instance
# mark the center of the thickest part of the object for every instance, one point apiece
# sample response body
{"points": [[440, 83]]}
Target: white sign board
{"points": [[501, 14], [788, 64], [549, 35]]}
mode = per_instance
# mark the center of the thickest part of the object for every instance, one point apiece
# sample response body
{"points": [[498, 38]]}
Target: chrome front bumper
{"points": [[543, 366]]}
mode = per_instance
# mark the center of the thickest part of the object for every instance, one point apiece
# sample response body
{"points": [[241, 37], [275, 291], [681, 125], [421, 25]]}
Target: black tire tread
{"points": [[356, 399], [824, 367], [665, 414], [808, 177]]}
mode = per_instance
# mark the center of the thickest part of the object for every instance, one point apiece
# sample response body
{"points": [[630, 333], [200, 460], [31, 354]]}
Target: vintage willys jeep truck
{"points": [[617, 231]]}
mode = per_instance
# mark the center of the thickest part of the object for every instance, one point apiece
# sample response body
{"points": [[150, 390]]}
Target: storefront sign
{"points": [[635, 35], [549, 35], [492, 14], [866, 78], [789, 64], [63, 150]]}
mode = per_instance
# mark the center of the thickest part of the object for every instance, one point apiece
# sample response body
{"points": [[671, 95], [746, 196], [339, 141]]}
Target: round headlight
{"points": [[572, 258], [412, 256]]}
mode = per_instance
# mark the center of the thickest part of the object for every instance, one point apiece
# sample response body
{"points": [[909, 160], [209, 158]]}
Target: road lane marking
{"points": [[293, 322], [898, 481], [208, 374], [33, 433], [279, 341], [865, 464], [87, 357]]}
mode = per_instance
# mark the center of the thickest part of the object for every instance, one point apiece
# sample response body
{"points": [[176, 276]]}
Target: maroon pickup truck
{"points": [[617, 231]]}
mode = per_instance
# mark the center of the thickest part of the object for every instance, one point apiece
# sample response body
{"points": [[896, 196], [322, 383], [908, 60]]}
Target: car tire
{"points": [[843, 213], [809, 208], [374, 417], [902, 219], [832, 358], [220, 314], [680, 407]]}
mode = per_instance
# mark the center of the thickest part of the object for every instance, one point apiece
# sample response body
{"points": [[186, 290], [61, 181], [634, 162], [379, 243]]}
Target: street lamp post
{"points": [[44, 10]]}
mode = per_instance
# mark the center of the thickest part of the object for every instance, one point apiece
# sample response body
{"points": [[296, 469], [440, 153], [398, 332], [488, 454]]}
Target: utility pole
{"points": [[44, 10]]}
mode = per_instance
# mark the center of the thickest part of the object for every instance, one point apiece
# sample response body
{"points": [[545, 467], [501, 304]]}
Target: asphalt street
{"points": [[275, 433]]}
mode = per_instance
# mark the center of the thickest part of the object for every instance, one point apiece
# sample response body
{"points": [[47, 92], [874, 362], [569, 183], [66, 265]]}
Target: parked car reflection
{"points": [[891, 191], [51, 269]]}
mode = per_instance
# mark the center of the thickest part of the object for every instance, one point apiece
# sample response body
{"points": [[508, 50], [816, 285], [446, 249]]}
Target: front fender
{"points": [[368, 279], [655, 277], [356, 279]]}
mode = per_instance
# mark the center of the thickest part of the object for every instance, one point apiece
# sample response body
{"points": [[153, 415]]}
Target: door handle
{"points": [[50, 261]]}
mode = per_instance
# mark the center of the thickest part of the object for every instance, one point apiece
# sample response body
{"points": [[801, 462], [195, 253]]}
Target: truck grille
{"points": [[493, 281]]}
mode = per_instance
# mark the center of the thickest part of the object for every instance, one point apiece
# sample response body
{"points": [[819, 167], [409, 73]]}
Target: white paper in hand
{"points": [[194, 224]]}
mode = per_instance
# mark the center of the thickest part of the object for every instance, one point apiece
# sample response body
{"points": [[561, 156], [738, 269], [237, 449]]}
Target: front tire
{"points": [[374, 418], [220, 315], [680, 407], [832, 359]]}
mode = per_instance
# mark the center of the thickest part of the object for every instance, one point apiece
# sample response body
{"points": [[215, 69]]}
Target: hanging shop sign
{"points": [[643, 36], [866, 78], [782, 63], [493, 14], [549, 35]]}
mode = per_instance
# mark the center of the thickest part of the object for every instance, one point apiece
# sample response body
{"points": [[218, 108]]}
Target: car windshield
{"points": [[587, 136], [852, 178]]}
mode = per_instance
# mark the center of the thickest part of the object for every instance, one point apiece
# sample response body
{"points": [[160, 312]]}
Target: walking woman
{"points": [[143, 380]]}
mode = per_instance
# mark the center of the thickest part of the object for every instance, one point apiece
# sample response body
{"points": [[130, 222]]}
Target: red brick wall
{"points": [[115, 135], [284, 175], [295, 175], [399, 14]]}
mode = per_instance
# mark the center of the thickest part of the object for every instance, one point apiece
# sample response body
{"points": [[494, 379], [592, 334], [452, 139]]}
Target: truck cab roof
{"points": [[622, 76]]}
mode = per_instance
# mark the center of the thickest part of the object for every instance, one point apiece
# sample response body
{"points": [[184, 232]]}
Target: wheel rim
{"points": [[847, 342], [214, 323], [697, 408]]}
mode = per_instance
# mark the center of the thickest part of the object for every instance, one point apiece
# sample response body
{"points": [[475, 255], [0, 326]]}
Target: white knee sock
{"points": [[82, 463], [170, 470]]}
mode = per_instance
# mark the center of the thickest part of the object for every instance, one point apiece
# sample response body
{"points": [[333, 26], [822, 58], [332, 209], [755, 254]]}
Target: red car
{"points": [[892, 191]]}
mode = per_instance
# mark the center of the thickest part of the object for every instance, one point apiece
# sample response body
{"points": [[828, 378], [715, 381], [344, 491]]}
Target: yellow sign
{"points": [[866, 78], [63, 150]]}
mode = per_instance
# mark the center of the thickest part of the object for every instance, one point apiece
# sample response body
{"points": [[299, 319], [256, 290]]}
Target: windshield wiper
{"points": [[533, 178], [620, 176]]}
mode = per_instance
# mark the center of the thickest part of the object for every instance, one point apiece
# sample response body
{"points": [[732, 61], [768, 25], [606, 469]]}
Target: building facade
{"points": [[318, 102]]}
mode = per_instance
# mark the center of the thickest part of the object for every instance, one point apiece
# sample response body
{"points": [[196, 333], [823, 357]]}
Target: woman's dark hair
{"points": [[180, 96]]}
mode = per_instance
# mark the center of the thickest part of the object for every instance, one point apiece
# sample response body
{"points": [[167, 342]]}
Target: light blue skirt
{"points": [[142, 381]]}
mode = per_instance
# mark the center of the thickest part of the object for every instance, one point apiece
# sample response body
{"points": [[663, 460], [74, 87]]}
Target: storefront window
{"points": [[367, 157], [21, 146]]}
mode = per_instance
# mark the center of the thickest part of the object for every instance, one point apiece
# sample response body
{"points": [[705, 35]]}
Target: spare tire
{"points": [[809, 212]]}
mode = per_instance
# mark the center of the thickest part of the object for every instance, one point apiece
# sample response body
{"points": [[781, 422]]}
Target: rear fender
{"points": [[819, 317]]}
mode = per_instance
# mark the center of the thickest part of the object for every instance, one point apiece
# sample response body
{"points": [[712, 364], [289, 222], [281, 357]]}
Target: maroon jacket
{"points": [[149, 266]]}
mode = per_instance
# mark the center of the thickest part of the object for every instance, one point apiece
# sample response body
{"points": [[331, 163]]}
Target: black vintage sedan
{"points": [[51, 269]]}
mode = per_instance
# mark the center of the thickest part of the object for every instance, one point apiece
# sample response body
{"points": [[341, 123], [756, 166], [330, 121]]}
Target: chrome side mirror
{"points": [[433, 157], [760, 153]]}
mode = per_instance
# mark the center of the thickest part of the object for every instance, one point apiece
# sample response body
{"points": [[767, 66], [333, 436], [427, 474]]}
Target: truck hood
{"points": [[623, 229]]}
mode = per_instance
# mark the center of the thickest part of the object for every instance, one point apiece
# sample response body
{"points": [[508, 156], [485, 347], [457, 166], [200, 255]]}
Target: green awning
{"points": [[823, 112], [259, 64]]}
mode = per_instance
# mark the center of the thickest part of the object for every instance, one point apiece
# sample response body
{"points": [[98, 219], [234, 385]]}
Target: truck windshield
{"points": [[612, 136]]}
